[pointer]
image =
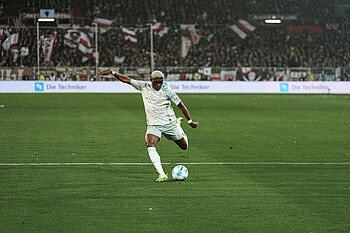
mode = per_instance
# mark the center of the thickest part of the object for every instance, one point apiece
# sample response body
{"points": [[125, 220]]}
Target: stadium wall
{"points": [[178, 86]]}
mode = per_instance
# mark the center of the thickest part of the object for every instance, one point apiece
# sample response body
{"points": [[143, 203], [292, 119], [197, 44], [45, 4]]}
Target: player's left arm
{"points": [[184, 110]]}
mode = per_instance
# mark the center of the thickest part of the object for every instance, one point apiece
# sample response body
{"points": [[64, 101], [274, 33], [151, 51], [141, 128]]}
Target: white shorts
{"points": [[170, 131]]}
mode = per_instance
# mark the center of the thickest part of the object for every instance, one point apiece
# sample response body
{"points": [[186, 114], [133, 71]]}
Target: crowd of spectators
{"points": [[171, 12], [61, 6], [276, 7], [218, 45], [3, 7], [321, 9]]}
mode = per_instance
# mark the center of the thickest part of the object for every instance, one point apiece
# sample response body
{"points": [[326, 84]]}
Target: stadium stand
{"points": [[207, 24]]}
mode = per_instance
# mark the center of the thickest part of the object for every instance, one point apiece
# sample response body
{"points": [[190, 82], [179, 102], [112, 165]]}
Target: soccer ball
{"points": [[180, 172]]}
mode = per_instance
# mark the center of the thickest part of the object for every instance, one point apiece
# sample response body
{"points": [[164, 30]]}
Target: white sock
{"points": [[154, 156]]}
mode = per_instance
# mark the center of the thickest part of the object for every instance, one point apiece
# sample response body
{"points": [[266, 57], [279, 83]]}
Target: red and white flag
{"points": [[195, 37], [157, 26], [245, 25], [86, 51], [192, 30], [19, 25], [75, 37], [80, 40], [129, 35], [103, 24], [242, 28], [11, 40], [185, 46], [239, 31], [48, 45]]}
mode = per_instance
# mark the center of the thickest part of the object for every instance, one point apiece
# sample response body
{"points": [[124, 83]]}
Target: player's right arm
{"points": [[121, 77]]}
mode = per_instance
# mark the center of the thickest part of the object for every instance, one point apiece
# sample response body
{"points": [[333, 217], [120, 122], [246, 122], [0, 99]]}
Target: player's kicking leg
{"points": [[151, 141], [183, 142]]}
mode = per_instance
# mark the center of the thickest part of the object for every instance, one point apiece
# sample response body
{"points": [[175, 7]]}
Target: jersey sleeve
{"points": [[172, 95], [138, 85]]}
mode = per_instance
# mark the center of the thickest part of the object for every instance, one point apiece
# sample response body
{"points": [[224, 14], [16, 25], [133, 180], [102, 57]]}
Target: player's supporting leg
{"points": [[151, 141], [155, 158]]}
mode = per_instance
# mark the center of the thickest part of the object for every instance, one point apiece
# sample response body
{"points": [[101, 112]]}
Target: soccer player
{"points": [[160, 115]]}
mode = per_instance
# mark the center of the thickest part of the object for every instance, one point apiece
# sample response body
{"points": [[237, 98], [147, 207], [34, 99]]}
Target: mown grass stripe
{"points": [[145, 164]]}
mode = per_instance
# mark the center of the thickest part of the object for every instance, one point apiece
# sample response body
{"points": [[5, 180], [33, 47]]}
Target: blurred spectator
{"points": [[52, 77]]}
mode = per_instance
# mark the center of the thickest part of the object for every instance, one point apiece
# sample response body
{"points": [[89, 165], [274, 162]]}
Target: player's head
{"points": [[157, 79]]}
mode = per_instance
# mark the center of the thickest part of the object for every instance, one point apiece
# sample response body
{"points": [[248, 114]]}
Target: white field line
{"points": [[147, 164]]}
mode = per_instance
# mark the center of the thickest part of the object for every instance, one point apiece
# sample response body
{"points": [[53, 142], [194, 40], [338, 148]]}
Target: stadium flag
{"points": [[157, 26], [242, 28], [84, 38], [2, 33], [104, 24], [129, 35], [19, 25], [86, 51], [162, 32], [48, 45], [245, 25], [191, 28], [81, 41], [238, 31], [185, 46], [11, 40], [195, 37], [70, 43], [74, 37]]}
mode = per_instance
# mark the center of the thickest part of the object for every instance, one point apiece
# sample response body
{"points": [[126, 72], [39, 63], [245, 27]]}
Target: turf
{"points": [[271, 191]]}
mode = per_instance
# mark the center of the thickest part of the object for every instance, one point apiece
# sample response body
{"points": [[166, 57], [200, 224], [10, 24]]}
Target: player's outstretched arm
{"points": [[121, 77], [187, 115]]}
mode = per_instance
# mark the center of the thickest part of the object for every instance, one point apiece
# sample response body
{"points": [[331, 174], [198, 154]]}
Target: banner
{"points": [[177, 86], [252, 76], [228, 75], [18, 73], [302, 28], [298, 75]]}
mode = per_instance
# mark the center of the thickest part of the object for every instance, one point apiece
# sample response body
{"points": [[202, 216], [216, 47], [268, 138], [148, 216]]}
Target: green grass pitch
{"points": [[288, 165]]}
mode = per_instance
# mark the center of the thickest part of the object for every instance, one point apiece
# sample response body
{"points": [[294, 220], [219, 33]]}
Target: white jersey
{"points": [[157, 103]]}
